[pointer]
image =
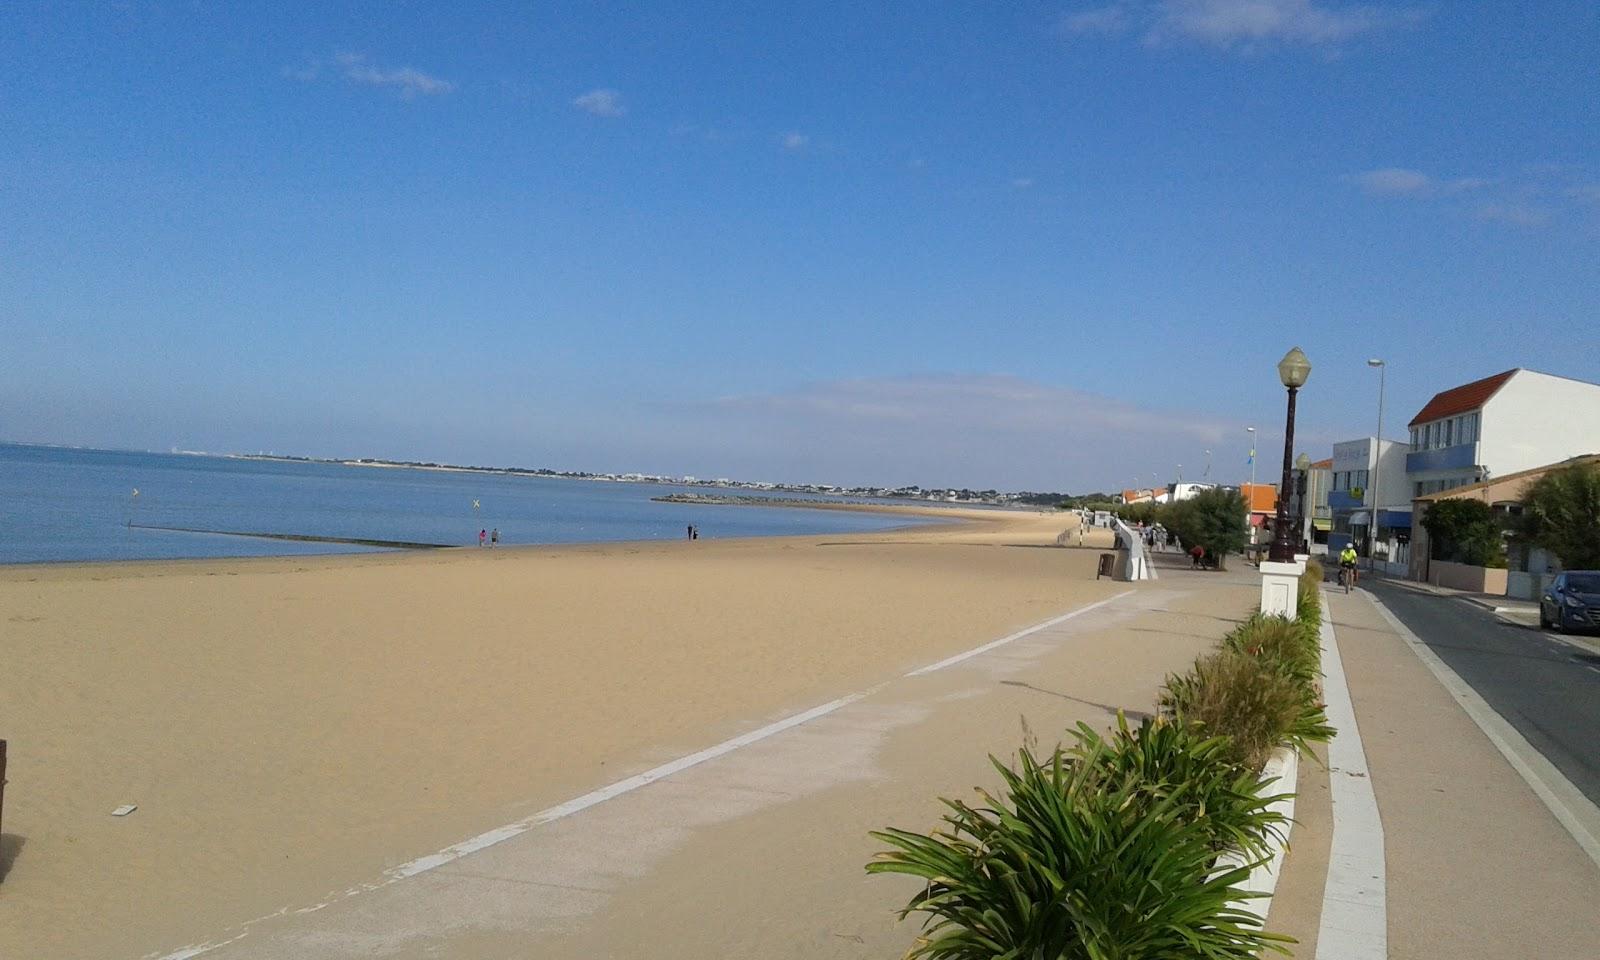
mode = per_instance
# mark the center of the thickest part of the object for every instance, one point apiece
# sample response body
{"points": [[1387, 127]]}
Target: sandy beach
{"points": [[290, 726]]}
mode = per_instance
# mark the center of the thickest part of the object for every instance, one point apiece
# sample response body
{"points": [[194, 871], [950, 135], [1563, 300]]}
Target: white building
{"points": [[1353, 498], [1512, 421], [1184, 491]]}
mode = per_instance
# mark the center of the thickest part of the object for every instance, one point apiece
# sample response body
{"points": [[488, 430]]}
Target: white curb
{"points": [[1280, 771], [1355, 923]]}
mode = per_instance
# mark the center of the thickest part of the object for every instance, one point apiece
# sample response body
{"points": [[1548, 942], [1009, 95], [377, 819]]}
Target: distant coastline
{"points": [[913, 493]]}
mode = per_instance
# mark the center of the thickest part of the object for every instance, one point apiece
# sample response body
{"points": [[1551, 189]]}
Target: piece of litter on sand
{"points": [[125, 809]]}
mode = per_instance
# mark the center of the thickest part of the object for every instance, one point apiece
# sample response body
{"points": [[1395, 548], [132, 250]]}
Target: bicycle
{"points": [[1345, 577]]}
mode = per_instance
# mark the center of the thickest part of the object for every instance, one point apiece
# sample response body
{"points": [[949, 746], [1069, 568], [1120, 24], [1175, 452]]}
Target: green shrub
{"points": [[1313, 574], [1292, 647], [1083, 858], [1309, 592], [1256, 704], [1164, 758], [1467, 531]]}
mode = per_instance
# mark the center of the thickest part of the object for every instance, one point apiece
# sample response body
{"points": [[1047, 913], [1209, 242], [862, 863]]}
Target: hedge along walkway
{"points": [[1477, 867]]}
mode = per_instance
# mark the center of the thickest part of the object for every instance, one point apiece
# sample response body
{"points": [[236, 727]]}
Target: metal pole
{"points": [[1282, 545], [1377, 463], [1250, 499]]}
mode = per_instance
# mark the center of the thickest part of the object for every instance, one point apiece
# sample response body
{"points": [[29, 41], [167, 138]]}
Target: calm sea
{"points": [[61, 504]]}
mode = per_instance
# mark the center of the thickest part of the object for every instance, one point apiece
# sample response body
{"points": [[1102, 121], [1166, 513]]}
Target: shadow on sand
{"points": [[10, 847]]}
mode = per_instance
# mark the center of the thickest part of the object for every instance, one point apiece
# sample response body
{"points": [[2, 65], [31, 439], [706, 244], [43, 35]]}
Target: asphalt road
{"points": [[1544, 687]]}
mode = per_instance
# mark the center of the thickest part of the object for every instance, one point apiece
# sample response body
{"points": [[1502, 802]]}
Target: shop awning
{"points": [[1321, 523], [1359, 518], [1395, 519]]}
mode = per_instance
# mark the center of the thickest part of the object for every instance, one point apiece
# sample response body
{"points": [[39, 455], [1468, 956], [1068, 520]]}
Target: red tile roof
{"points": [[1462, 399], [1323, 464], [1259, 497]]}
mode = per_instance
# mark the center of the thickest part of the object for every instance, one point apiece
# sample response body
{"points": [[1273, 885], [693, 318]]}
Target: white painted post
{"points": [[1279, 594]]}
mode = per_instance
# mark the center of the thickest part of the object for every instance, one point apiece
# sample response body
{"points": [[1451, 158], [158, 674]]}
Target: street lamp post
{"points": [[1293, 371], [1377, 464], [1250, 501], [1302, 473]]}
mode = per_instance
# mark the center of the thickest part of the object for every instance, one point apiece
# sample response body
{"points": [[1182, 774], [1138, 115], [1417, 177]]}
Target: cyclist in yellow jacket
{"points": [[1347, 562]]}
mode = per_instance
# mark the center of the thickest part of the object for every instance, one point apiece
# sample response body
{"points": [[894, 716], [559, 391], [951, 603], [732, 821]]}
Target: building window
{"points": [[1414, 439]]}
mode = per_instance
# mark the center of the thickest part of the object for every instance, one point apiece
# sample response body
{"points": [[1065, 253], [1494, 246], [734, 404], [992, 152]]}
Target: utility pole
{"points": [[1377, 463]]}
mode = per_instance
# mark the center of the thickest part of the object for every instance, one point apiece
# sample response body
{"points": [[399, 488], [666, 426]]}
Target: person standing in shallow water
{"points": [[494, 537], [482, 536]]}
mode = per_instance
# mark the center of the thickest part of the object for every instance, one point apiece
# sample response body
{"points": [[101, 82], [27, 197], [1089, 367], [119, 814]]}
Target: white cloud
{"points": [[1395, 182], [601, 103], [305, 73], [1237, 23], [1402, 182], [1227, 22], [408, 81], [1515, 214], [966, 429], [794, 140], [1098, 20]]}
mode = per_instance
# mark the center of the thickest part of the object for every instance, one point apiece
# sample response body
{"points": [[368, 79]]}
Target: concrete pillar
{"points": [[1280, 595]]}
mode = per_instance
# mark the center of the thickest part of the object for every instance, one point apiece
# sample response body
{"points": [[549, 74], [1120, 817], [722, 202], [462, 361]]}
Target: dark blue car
{"points": [[1572, 602]]}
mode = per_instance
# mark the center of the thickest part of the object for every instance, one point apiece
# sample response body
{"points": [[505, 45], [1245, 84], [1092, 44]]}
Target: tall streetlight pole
{"points": [[1293, 371], [1377, 463], [1250, 501], [1252, 432]]}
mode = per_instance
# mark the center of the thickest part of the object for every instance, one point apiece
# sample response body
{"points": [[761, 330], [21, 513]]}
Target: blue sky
{"points": [[1057, 245]]}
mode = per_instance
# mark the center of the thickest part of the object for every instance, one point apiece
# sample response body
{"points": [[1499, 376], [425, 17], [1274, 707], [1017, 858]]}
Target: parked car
{"points": [[1572, 602]]}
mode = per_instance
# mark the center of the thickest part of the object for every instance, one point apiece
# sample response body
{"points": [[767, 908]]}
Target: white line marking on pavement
{"points": [[1576, 812], [611, 791], [975, 651], [1355, 923]]}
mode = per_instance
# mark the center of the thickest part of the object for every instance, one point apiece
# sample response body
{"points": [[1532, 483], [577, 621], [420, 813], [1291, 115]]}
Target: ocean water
{"points": [[61, 504]]}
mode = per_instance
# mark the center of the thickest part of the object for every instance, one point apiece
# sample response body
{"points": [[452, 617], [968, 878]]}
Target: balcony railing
{"points": [[1458, 457]]}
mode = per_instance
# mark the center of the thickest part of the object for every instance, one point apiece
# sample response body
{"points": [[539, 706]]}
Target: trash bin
{"points": [[1107, 567]]}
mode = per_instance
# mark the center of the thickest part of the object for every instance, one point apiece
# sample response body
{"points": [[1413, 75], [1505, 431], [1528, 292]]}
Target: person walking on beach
{"points": [[482, 536], [688, 532], [494, 537]]}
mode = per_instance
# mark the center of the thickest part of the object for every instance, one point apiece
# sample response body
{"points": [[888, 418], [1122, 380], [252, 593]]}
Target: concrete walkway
{"points": [[754, 847], [1478, 867], [757, 851]]}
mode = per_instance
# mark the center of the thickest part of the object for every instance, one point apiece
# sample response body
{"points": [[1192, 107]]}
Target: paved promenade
{"points": [[1477, 865], [757, 850], [753, 846]]}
